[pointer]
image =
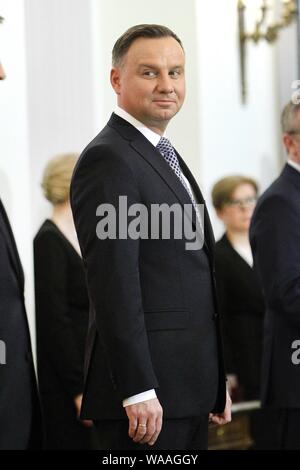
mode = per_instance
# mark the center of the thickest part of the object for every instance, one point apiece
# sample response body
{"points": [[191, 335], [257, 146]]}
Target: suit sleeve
{"points": [[112, 267], [275, 243], [55, 333]]}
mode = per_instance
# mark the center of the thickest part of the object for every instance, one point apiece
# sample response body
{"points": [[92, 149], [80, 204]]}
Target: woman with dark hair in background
{"points": [[61, 314], [241, 298]]}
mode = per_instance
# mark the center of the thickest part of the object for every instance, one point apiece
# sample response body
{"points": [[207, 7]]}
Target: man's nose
{"points": [[165, 84], [2, 72]]}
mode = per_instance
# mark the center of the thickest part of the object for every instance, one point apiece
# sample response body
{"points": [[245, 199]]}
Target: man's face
{"points": [[291, 140], [150, 84]]}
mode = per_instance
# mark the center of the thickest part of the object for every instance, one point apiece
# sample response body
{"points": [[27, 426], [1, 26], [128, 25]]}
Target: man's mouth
{"points": [[164, 101]]}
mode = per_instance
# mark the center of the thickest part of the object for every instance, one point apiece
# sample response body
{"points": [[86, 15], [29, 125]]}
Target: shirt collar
{"points": [[150, 135], [294, 164]]}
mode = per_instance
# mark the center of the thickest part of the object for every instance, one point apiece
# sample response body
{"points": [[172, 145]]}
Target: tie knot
{"points": [[164, 145]]}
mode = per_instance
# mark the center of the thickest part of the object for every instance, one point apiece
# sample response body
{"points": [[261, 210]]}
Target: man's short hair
{"points": [[288, 118], [150, 31]]}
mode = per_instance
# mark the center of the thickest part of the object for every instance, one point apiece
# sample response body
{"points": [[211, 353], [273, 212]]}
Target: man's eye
{"points": [[175, 73], [150, 73]]}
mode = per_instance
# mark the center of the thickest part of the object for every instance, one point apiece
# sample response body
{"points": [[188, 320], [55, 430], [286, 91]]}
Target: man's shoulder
{"points": [[107, 137], [276, 193], [276, 204], [107, 145], [115, 132], [109, 154]]}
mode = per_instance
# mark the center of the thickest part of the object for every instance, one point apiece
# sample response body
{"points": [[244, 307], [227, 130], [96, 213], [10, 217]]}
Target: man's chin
{"points": [[164, 114]]}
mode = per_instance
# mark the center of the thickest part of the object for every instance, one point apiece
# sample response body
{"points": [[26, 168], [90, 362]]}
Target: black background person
{"points": [[61, 313], [20, 418]]}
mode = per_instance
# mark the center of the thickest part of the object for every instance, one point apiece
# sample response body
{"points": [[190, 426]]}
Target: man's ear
{"points": [[287, 142], [115, 80]]}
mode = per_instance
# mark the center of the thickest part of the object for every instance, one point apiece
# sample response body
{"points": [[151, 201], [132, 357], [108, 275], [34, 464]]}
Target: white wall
{"points": [[235, 138], [60, 93]]}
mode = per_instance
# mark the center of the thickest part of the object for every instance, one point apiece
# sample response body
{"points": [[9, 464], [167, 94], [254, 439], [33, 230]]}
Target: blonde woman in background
{"points": [[61, 314]]}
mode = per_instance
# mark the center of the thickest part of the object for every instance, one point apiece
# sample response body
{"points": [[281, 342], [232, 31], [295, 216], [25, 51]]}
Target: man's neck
{"points": [[159, 127], [157, 130], [294, 163]]}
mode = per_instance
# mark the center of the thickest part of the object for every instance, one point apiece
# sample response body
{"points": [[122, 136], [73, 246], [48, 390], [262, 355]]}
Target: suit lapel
{"points": [[158, 163], [7, 233], [209, 234], [146, 150]]}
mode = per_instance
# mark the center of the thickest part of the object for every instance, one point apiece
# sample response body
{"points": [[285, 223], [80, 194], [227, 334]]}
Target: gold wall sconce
{"points": [[262, 31]]}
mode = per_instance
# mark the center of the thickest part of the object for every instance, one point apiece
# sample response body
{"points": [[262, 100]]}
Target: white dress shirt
{"points": [[294, 164], [153, 138]]}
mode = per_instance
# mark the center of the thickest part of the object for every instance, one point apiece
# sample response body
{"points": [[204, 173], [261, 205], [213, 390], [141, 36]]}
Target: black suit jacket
{"points": [[61, 313], [20, 421], [275, 241], [242, 313], [62, 308], [153, 319]]}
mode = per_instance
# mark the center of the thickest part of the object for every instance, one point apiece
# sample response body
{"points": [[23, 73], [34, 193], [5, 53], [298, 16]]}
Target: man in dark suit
{"points": [[275, 241], [20, 421], [153, 353]]}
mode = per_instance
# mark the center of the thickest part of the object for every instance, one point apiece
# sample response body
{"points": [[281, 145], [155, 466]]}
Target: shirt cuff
{"points": [[148, 395]]}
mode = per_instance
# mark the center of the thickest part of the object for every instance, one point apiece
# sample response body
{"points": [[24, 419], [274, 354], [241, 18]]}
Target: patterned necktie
{"points": [[164, 146]]}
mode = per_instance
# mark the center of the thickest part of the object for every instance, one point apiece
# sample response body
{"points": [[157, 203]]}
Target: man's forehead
{"points": [[148, 50]]}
